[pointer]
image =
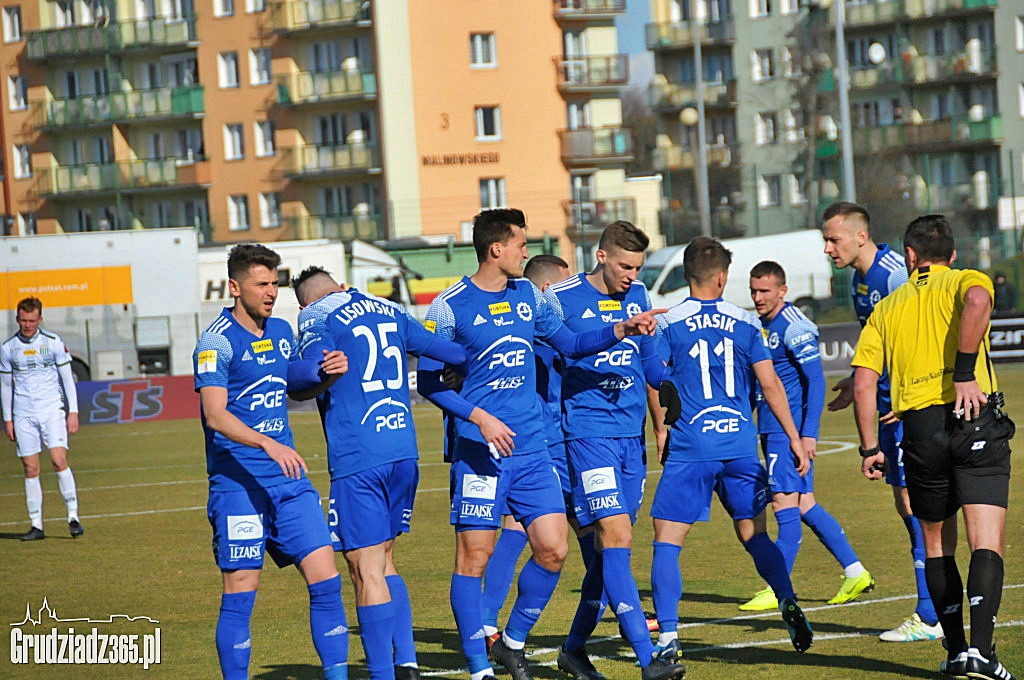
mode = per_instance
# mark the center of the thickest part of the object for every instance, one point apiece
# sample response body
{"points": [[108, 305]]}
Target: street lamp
{"points": [[697, 23], [691, 117]]}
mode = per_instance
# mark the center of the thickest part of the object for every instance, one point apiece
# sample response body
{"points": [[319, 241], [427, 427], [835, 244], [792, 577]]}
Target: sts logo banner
{"points": [[128, 401]]}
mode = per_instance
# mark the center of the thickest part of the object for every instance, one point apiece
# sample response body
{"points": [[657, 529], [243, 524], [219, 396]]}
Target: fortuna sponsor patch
{"points": [[500, 308], [262, 346], [609, 306], [207, 361], [430, 325], [862, 289]]}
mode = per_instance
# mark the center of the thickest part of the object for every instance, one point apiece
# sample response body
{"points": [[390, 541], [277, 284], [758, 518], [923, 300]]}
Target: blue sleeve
{"points": [[303, 375], [802, 342], [758, 343], [576, 346], [423, 343], [211, 360], [441, 322], [654, 368]]}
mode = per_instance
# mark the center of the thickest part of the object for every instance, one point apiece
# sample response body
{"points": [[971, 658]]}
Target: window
{"points": [[789, 7], [481, 50], [71, 85], [12, 24], [227, 66], [937, 39], [492, 193], [17, 86], [270, 210], [764, 128], [65, 11], [253, 6], [238, 212], [22, 161], [234, 142], [794, 122], [259, 66], [223, 8], [1019, 25], [767, 190], [760, 8], [790, 65], [761, 67], [263, 133], [100, 81], [27, 224], [488, 123], [796, 196]]}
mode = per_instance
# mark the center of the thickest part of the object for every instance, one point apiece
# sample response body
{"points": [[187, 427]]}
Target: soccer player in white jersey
{"points": [[34, 365]]}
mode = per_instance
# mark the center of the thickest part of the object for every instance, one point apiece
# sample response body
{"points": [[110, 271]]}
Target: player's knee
{"points": [[552, 556]]}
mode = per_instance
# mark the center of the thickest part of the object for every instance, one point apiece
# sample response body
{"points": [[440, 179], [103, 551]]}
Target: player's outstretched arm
{"points": [[845, 389], [775, 396], [643, 323], [308, 378]]}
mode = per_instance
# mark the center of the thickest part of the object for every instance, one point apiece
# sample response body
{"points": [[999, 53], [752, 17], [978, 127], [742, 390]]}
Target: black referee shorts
{"points": [[950, 462]]}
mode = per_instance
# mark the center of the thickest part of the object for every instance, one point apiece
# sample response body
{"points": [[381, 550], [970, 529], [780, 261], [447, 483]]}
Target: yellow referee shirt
{"points": [[915, 332]]}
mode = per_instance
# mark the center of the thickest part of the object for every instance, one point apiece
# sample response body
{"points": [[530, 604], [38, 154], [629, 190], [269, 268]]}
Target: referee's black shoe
{"points": [[659, 669], [75, 527], [800, 632], [955, 667], [33, 534], [514, 660], [980, 668], [407, 673], [577, 664]]}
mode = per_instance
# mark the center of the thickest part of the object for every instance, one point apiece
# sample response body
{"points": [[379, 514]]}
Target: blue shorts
{"points": [[285, 519], [561, 465], [889, 439], [684, 492], [782, 474], [373, 506], [482, 488], [608, 476]]}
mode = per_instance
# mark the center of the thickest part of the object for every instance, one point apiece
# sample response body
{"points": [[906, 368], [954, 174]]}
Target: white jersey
{"points": [[34, 365]]}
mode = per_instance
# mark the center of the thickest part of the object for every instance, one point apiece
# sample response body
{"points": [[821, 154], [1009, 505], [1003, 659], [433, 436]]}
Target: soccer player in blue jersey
{"points": [[496, 315], [877, 271], [260, 496], [371, 451], [714, 349], [604, 403], [793, 345]]}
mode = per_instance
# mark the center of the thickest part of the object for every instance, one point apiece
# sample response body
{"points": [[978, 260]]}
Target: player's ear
{"points": [[234, 289], [910, 257], [783, 289], [952, 259], [495, 249], [601, 256]]}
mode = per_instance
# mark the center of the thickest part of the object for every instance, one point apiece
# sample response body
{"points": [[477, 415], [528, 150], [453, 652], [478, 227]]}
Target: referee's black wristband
{"points": [[963, 369], [867, 453]]}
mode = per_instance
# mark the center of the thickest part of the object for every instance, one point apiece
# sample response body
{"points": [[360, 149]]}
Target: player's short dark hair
{"points": [[305, 275], [541, 268], [30, 304], [703, 258], [931, 237], [846, 209], [624, 236], [494, 226], [769, 268], [245, 255]]}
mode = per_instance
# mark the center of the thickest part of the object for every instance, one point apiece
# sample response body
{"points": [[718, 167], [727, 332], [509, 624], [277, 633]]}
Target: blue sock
{"points": [[536, 584], [401, 638], [924, 609], [831, 535], [589, 551], [666, 585], [625, 599], [465, 596], [501, 569], [790, 535], [233, 640], [770, 564], [591, 607], [327, 622], [376, 626]]}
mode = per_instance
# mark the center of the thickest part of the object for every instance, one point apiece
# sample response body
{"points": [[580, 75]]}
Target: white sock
{"points": [[66, 481], [34, 501], [510, 643], [489, 630], [854, 570], [665, 638], [480, 675]]}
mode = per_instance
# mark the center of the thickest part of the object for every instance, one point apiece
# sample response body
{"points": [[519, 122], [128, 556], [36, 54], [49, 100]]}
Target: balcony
{"points": [[119, 36], [665, 36], [121, 107], [366, 226], [916, 9], [670, 97], [937, 134], [586, 10], [126, 176], [963, 65], [312, 87], [888, 73], [303, 15], [591, 216], [611, 144], [676, 157], [871, 13], [322, 160], [593, 75]]}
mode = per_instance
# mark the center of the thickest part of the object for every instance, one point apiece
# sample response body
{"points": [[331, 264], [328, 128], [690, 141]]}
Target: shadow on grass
{"points": [[292, 671], [869, 667]]}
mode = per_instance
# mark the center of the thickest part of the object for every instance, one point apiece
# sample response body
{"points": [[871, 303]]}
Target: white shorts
{"points": [[42, 431]]}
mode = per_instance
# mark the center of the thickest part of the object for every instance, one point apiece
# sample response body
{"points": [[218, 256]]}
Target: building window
{"points": [[234, 142], [488, 123], [794, 123], [764, 128], [1020, 33], [17, 86], [264, 136], [790, 65], [253, 6], [481, 50], [22, 161], [227, 66], [492, 193], [796, 196], [767, 190], [223, 8], [270, 210], [12, 24], [761, 67], [238, 212], [27, 224], [259, 66], [789, 7], [760, 8]]}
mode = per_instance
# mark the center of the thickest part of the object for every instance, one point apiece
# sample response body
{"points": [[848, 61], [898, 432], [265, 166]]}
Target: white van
{"points": [[801, 254]]}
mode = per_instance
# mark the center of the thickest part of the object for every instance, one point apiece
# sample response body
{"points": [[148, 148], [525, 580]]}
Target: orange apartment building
{"points": [[290, 119]]}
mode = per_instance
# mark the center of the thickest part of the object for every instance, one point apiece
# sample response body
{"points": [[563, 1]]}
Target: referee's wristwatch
{"points": [[867, 453]]}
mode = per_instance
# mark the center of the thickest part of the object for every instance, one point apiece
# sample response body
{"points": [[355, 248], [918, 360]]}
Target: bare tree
{"points": [[643, 125]]}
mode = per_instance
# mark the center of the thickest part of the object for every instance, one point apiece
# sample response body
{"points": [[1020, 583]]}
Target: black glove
{"points": [[452, 378], [668, 396]]}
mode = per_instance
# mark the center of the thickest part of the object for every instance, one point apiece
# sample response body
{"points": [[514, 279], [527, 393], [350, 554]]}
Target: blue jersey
{"points": [[550, 368], [254, 369], [366, 412], [887, 273], [793, 346], [498, 331], [711, 347], [604, 394]]}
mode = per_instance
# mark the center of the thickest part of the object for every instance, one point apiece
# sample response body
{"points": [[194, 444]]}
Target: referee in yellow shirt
{"points": [[931, 335]]}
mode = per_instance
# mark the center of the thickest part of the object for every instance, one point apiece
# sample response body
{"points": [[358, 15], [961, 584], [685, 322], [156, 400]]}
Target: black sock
{"points": [[984, 590], [947, 591]]}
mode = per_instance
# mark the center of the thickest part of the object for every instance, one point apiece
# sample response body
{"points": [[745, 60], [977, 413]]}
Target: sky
{"points": [[633, 42]]}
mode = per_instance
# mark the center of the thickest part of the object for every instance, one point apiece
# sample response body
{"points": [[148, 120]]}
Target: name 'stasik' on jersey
{"points": [[887, 273], [366, 412], [793, 346], [33, 366], [254, 370], [710, 347]]}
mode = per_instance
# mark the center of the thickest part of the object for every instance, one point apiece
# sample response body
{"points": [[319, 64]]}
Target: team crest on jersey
{"points": [[499, 308], [875, 297], [285, 347], [773, 340], [632, 309], [609, 305], [524, 311], [261, 346]]}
